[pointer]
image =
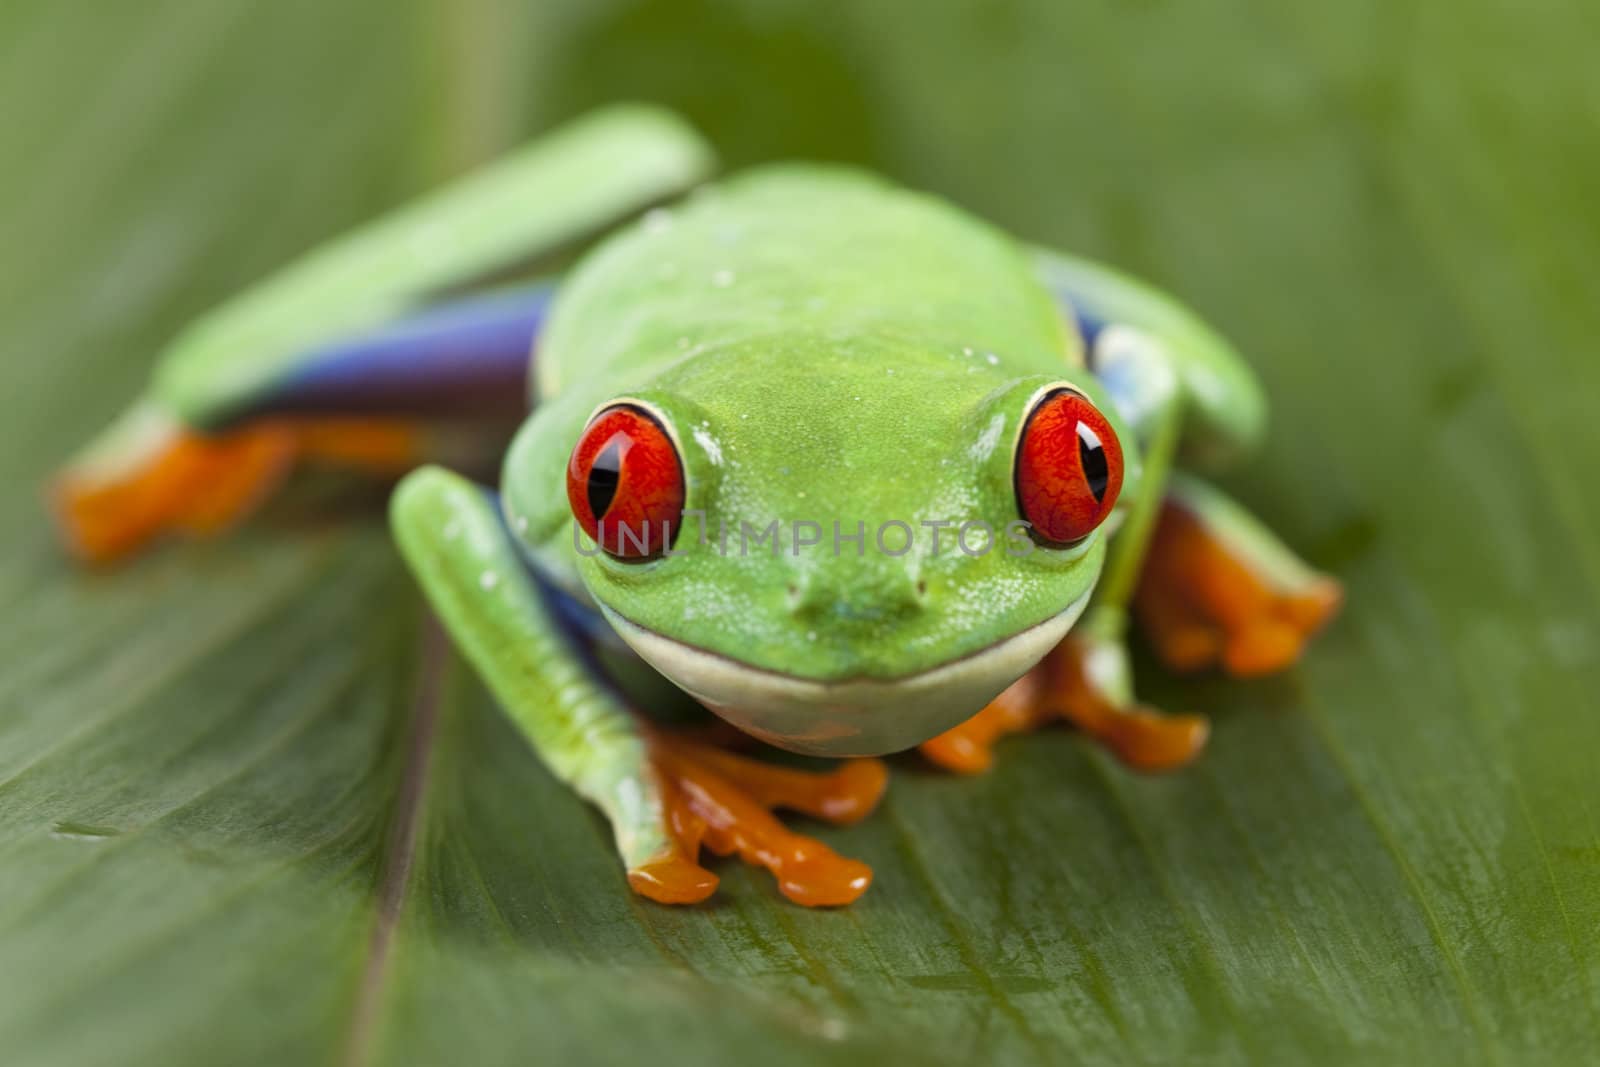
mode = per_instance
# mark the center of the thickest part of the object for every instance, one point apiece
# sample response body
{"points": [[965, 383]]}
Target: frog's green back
{"points": [[799, 250]]}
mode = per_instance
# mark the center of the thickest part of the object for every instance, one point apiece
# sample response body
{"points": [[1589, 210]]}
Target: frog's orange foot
{"points": [[724, 802], [153, 477], [1203, 600], [1060, 687], [179, 482]]}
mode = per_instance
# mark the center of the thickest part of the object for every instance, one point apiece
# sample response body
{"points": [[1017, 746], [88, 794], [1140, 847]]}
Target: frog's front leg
{"points": [[1207, 582], [1086, 680], [1214, 588], [665, 796], [1083, 681]]}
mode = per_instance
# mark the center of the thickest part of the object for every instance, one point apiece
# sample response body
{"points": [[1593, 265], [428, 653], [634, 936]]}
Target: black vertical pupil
{"points": [[604, 474], [1092, 456]]}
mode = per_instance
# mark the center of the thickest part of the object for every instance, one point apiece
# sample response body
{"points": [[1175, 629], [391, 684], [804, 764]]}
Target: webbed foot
{"points": [[1218, 588], [724, 802], [1083, 682], [149, 476]]}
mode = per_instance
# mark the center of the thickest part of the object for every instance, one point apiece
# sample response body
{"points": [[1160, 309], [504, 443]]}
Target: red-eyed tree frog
{"points": [[854, 469]]}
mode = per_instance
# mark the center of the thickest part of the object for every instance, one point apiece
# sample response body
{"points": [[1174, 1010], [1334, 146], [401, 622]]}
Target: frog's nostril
{"points": [[849, 598]]}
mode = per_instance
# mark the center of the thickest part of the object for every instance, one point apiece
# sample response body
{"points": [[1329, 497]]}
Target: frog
{"points": [[850, 467]]}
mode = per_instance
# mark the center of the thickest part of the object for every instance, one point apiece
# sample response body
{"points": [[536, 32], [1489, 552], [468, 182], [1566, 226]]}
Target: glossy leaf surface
{"points": [[250, 810]]}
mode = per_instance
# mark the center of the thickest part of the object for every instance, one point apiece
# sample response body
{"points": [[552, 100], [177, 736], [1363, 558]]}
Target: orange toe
{"points": [[961, 750], [1026, 705], [1141, 737], [1182, 638], [1149, 741], [830, 881], [1262, 647], [1190, 648], [1311, 609], [673, 879]]}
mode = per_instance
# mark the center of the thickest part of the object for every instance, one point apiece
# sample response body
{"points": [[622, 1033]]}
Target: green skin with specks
{"points": [[823, 348], [809, 374]]}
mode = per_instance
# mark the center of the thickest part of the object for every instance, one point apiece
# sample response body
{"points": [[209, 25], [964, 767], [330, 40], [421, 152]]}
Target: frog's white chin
{"points": [[857, 717]]}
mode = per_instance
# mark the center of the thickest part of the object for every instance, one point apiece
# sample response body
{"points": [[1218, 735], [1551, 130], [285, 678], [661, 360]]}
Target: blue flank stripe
{"points": [[1089, 327], [467, 357]]}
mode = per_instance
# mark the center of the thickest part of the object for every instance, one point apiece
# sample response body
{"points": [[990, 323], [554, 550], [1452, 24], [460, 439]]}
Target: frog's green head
{"points": [[800, 593]]}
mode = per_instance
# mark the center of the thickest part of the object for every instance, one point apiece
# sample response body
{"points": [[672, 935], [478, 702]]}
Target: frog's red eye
{"points": [[625, 483], [1069, 468]]}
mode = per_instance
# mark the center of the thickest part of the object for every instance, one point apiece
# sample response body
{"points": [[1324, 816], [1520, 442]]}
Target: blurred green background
{"points": [[1388, 855]]}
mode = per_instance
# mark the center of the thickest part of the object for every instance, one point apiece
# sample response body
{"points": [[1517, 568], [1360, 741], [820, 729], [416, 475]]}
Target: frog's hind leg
{"points": [[447, 384], [337, 335], [147, 476], [1218, 588]]}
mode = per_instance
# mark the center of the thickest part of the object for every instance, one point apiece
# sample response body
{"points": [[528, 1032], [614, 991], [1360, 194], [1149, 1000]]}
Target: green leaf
{"points": [[250, 810]]}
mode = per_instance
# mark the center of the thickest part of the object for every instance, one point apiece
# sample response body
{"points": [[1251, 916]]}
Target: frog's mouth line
{"points": [[855, 716]]}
